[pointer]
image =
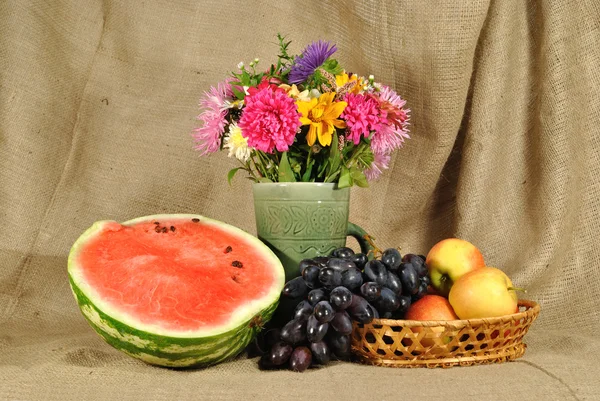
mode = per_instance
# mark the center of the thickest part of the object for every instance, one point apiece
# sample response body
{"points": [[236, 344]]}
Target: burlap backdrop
{"points": [[97, 100]]}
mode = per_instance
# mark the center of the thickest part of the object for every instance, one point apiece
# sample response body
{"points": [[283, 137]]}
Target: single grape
{"points": [[265, 363], [320, 352], [340, 298], [340, 264], [280, 353], [404, 304], [316, 295], [388, 302], [406, 258], [393, 283], [370, 291], [321, 260], [376, 271], [343, 252], [300, 359], [426, 280], [409, 279], [352, 279], [340, 344], [391, 259], [303, 310], [324, 312], [311, 276], [315, 331], [295, 288], [359, 259], [294, 331], [342, 323], [330, 278], [304, 263], [361, 310], [419, 265]]}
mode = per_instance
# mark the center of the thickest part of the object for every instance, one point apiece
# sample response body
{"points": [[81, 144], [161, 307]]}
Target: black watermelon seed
{"points": [[195, 220], [228, 249], [237, 263], [164, 229], [156, 222], [157, 229], [173, 228]]}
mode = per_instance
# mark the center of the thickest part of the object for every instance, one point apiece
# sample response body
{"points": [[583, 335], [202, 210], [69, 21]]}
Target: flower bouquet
{"points": [[303, 119]]}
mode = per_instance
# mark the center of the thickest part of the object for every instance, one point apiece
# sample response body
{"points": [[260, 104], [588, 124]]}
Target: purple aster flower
{"points": [[313, 56]]}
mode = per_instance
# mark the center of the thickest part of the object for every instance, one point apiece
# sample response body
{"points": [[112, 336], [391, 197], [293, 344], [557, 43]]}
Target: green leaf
{"points": [[232, 173], [334, 154], [359, 177], [308, 172], [239, 94], [332, 66], [285, 170], [345, 178]]}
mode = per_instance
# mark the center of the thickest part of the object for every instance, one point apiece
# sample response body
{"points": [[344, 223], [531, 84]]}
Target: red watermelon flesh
{"points": [[177, 274]]}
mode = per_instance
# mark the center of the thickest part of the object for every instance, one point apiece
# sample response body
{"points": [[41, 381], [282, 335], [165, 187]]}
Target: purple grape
{"points": [[300, 359], [315, 331], [315, 296], [294, 331], [303, 310], [320, 352], [324, 312], [376, 271], [391, 259], [352, 279], [340, 265], [394, 284], [311, 276], [340, 298], [359, 259], [370, 291], [343, 252], [330, 278], [295, 288], [280, 353], [342, 323]]}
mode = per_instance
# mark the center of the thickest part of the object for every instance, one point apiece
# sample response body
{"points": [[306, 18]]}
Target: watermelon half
{"points": [[175, 290]]}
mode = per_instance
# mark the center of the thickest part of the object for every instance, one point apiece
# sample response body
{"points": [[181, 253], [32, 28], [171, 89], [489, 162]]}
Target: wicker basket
{"points": [[412, 343]]}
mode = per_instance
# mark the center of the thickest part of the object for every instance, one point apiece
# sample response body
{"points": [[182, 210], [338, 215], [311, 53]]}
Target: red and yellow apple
{"points": [[481, 293], [431, 307], [449, 259]]}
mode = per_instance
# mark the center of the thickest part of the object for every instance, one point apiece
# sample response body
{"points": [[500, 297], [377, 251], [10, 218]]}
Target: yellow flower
{"points": [[343, 79], [322, 115]]}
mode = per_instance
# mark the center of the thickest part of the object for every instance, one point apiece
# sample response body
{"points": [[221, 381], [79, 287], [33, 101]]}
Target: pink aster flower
{"points": [[381, 162], [394, 131], [362, 115], [270, 120], [208, 137]]}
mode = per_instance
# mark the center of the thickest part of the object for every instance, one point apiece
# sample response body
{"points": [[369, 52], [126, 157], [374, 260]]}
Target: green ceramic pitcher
{"points": [[302, 220]]}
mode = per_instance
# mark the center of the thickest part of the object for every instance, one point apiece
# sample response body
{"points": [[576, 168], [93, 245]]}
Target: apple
{"points": [[449, 259], [431, 307], [486, 292]]}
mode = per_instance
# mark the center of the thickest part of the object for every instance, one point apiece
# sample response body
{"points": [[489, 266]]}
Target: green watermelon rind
{"points": [[176, 349]]}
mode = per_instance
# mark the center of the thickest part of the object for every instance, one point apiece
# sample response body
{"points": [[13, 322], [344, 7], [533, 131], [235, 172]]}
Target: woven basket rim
{"points": [[533, 309]]}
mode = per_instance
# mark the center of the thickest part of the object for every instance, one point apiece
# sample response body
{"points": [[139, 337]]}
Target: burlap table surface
{"points": [[97, 102]]}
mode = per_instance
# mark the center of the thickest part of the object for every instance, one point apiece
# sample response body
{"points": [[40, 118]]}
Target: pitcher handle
{"points": [[359, 234]]}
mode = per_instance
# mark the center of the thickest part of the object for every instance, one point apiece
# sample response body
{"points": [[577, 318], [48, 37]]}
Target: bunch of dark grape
{"points": [[331, 292]]}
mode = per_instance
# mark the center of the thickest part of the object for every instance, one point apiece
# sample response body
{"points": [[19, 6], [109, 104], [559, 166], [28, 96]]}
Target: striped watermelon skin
{"points": [[170, 351]]}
